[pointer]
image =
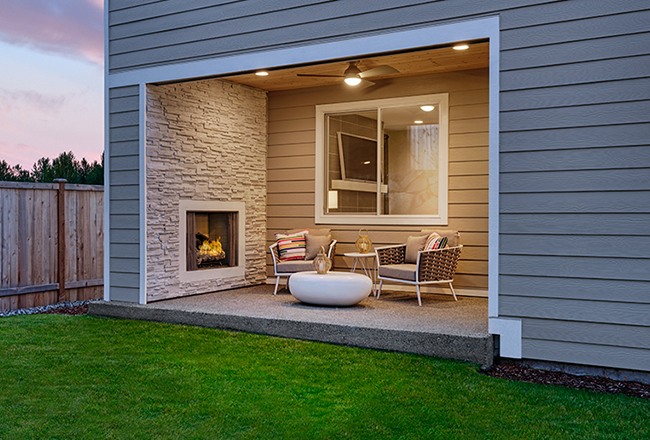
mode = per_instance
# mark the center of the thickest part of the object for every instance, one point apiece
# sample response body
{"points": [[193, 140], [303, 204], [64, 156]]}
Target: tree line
{"points": [[65, 166]]}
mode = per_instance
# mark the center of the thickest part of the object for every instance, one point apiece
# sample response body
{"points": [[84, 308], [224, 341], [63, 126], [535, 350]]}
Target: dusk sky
{"points": [[51, 79]]}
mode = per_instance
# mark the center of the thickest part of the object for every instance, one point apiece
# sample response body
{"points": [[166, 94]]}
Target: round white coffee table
{"points": [[369, 267], [330, 289]]}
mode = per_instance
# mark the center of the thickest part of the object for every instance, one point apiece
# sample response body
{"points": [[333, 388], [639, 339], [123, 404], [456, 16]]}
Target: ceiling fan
{"points": [[354, 76]]}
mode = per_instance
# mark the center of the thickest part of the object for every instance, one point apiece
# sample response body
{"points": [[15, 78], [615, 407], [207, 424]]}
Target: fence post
{"points": [[61, 238]]}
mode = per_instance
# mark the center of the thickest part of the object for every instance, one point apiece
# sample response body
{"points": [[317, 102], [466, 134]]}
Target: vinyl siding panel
{"points": [[587, 354], [575, 185], [259, 26], [291, 167], [124, 193]]}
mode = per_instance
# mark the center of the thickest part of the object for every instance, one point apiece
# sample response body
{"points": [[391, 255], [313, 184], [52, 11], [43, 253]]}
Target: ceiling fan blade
{"points": [[320, 76], [365, 84], [379, 70]]}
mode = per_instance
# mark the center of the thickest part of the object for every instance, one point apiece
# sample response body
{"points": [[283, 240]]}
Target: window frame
{"points": [[322, 217]]}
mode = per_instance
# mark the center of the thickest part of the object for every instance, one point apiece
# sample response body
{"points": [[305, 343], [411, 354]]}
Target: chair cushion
{"points": [[398, 271], [295, 266], [452, 236], [314, 242], [413, 246], [291, 247]]}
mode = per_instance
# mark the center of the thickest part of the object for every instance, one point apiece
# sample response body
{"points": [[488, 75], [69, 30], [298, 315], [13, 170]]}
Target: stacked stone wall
{"points": [[206, 141]]}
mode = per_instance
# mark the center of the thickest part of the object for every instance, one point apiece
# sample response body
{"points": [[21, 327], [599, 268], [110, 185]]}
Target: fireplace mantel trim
{"points": [[212, 206]]}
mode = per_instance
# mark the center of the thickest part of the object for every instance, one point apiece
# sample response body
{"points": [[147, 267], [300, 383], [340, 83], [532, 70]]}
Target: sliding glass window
{"points": [[383, 161]]}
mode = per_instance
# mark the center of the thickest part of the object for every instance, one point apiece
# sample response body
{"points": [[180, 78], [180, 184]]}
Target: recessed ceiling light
{"points": [[427, 108], [418, 122], [352, 81], [367, 162], [462, 46], [262, 73]]}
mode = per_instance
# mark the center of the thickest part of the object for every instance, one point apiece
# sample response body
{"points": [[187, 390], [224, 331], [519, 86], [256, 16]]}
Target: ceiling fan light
{"points": [[427, 108], [353, 81]]}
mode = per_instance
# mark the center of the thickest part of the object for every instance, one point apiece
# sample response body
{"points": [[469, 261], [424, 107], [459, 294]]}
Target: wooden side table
{"points": [[369, 267]]}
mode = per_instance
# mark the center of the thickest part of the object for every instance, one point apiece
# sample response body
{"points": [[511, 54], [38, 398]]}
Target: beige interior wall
{"points": [[291, 165]]}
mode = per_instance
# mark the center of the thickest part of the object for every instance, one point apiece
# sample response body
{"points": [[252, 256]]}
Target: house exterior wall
{"points": [[574, 127], [124, 194], [206, 141], [291, 166]]}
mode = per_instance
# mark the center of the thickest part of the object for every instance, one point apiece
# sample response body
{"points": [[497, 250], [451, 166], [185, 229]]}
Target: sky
{"points": [[51, 79]]}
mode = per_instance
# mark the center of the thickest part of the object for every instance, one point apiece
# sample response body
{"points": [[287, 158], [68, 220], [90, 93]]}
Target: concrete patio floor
{"points": [[442, 327]]}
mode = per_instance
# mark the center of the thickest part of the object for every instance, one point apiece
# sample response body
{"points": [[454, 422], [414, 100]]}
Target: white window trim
{"points": [[385, 219]]}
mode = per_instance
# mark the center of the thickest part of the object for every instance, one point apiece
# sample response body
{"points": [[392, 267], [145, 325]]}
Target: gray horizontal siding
{"points": [[611, 246], [575, 224], [583, 289], [614, 335], [124, 193], [206, 34], [587, 354], [581, 160], [575, 184]]}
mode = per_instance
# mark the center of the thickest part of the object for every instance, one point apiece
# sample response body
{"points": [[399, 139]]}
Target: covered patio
{"points": [[441, 327]]}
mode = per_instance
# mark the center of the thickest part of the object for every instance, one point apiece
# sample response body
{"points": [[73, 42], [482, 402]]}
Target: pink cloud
{"points": [[71, 27], [28, 101]]}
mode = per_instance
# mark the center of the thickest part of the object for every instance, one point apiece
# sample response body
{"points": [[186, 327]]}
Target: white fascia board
{"points": [[142, 148], [392, 41], [509, 331], [493, 180]]}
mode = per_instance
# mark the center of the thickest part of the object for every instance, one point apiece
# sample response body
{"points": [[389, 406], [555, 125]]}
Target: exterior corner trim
{"points": [[509, 331]]}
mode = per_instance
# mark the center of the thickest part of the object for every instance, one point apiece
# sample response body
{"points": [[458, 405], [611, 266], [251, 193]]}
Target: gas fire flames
{"points": [[211, 251]]}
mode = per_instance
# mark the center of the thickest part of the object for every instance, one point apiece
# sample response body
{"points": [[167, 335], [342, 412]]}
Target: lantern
{"points": [[363, 243], [322, 263]]}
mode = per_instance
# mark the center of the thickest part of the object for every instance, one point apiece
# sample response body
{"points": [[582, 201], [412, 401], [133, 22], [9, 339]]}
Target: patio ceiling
{"points": [[438, 60]]}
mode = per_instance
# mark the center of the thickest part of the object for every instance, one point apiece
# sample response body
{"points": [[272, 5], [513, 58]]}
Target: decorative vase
{"points": [[322, 263], [363, 243]]}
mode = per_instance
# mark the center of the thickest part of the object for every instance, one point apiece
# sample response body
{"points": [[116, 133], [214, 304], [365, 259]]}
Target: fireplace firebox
{"points": [[211, 240]]}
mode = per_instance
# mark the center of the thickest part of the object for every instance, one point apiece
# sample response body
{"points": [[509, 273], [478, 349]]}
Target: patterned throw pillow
{"points": [[291, 247], [435, 241]]}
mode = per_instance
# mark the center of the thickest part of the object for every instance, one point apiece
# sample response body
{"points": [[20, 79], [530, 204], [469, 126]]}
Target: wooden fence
{"points": [[29, 243]]}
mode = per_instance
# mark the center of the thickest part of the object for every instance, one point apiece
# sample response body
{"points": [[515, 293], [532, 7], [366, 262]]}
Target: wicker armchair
{"points": [[432, 267], [288, 268]]}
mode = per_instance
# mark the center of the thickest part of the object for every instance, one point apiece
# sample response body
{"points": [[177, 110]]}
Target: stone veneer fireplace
{"points": [[206, 145]]}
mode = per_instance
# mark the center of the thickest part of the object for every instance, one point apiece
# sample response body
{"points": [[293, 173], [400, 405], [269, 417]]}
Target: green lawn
{"points": [[69, 377]]}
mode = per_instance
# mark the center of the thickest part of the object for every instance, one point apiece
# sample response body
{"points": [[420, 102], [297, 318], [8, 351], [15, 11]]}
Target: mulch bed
{"points": [[511, 372], [592, 383]]}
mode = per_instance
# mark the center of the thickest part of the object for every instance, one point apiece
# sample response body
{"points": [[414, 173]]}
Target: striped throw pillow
{"points": [[291, 247], [435, 241]]}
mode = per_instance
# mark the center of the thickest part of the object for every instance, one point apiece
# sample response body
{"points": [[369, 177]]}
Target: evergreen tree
{"points": [[14, 174], [5, 171], [42, 170], [65, 166]]}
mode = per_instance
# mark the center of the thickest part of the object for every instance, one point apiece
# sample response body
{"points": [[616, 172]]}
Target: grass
{"points": [[83, 377]]}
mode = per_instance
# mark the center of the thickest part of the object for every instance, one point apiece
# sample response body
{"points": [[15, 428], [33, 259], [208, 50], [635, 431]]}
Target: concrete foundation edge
{"points": [[477, 350]]}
